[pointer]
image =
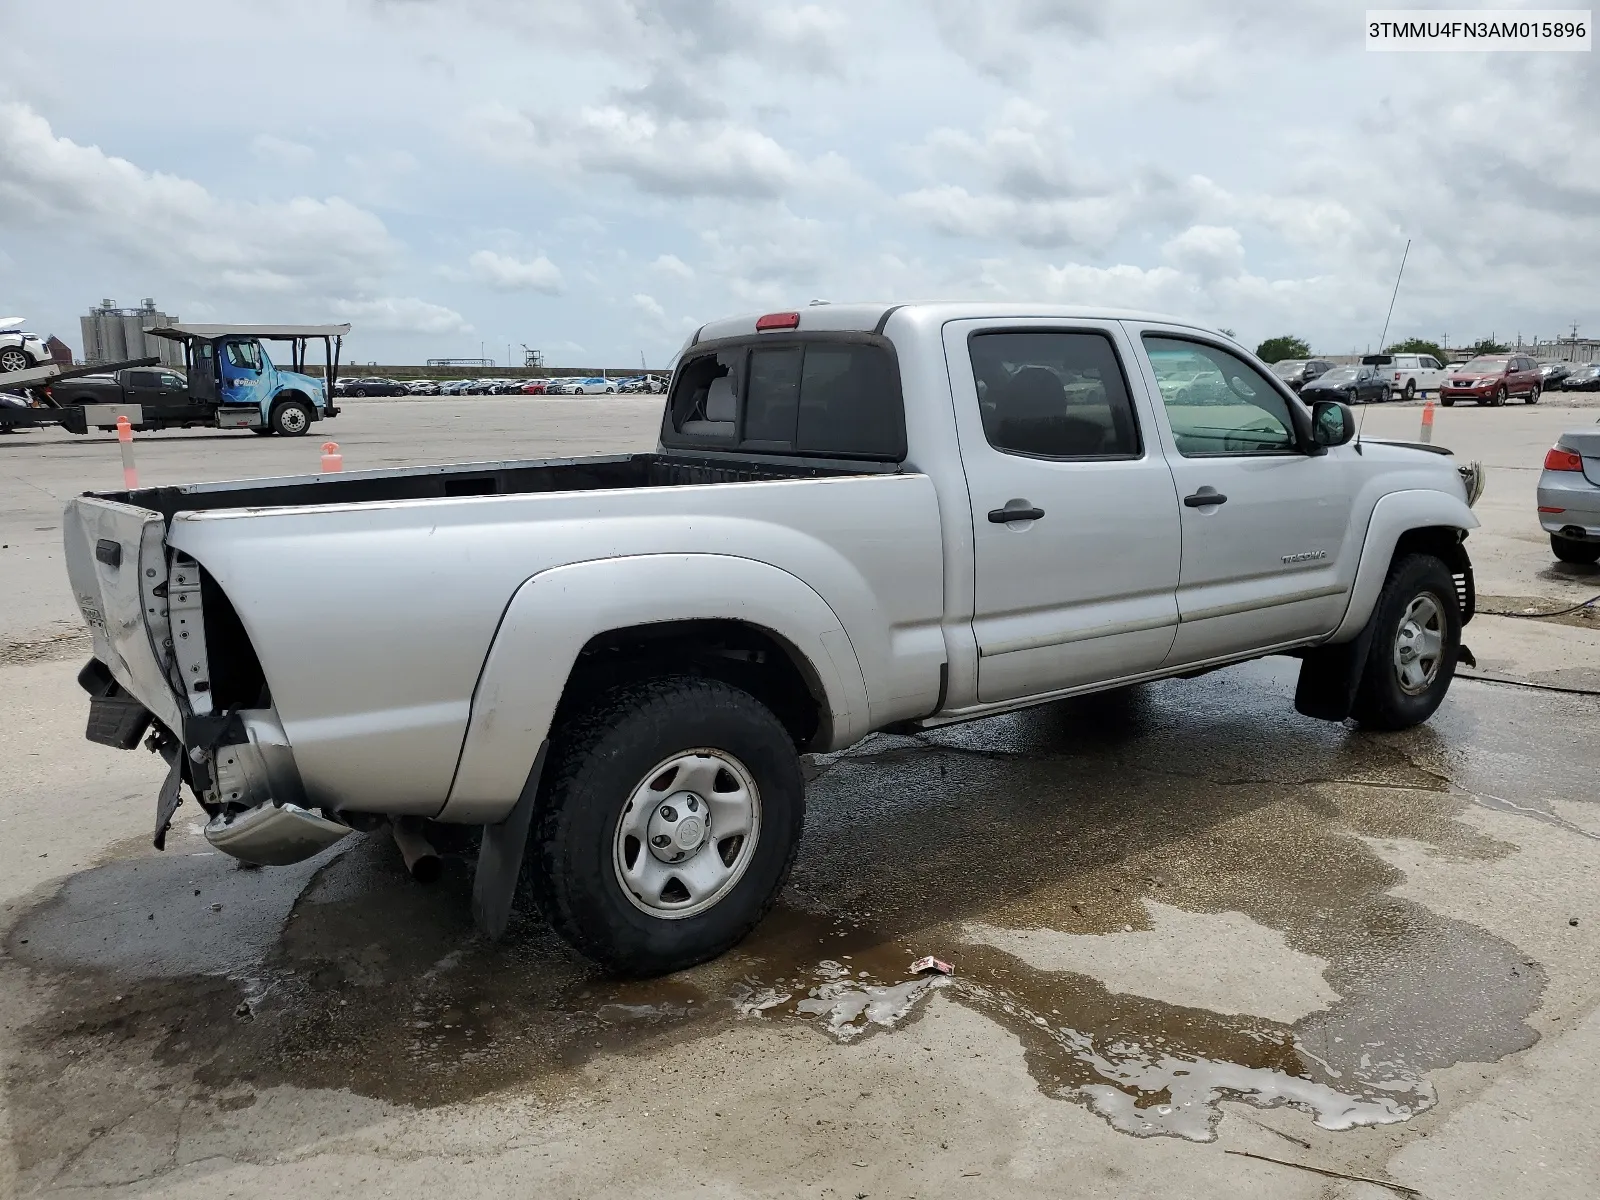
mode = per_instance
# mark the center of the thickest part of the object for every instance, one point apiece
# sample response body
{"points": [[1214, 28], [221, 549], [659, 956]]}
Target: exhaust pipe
{"points": [[422, 860]]}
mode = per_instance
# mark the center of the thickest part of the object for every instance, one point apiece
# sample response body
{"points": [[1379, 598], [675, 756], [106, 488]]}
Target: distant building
{"points": [[112, 334], [60, 352]]}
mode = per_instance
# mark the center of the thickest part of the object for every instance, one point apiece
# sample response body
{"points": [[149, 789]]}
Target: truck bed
{"points": [[597, 473]]}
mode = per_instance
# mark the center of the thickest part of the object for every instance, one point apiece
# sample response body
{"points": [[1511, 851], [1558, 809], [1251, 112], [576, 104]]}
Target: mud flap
{"points": [[1330, 676], [494, 882], [168, 799]]}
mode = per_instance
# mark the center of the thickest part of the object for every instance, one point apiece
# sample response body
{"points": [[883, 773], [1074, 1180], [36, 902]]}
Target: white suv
{"points": [[20, 350], [1413, 373]]}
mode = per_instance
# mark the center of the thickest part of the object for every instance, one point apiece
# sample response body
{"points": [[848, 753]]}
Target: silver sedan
{"points": [[1569, 496]]}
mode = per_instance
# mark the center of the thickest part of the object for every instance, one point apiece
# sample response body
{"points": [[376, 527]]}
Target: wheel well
{"points": [[740, 654], [284, 397], [1445, 543]]}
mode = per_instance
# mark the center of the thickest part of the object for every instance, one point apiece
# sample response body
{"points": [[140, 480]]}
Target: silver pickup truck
{"points": [[858, 518]]}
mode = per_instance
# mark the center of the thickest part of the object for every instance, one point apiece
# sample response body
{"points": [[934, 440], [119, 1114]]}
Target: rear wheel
{"points": [[1570, 551], [1533, 396], [1411, 389], [667, 824], [1416, 635], [1385, 395], [291, 418]]}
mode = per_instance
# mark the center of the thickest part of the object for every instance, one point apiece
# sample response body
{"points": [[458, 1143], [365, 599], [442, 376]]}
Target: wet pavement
{"points": [[1172, 899]]}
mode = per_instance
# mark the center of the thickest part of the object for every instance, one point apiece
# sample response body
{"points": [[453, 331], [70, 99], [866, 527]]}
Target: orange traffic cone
{"points": [[332, 460], [1427, 419], [130, 474]]}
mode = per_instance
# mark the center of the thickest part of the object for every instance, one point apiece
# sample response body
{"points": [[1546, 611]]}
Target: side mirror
{"points": [[1332, 423]]}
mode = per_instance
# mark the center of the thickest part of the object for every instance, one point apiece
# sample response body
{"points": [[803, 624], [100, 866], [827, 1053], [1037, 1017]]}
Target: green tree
{"points": [[1417, 346], [1276, 349], [1487, 346]]}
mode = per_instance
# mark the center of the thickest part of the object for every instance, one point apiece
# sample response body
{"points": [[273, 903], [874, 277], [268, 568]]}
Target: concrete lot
{"points": [[1189, 926]]}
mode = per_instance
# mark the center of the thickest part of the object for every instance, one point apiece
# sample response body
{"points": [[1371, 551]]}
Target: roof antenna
{"points": [[1385, 335]]}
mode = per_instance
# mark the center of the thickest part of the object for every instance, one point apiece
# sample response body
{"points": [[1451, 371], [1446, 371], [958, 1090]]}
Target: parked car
{"points": [[1569, 496], [558, 387], [370, 386], [1553, 374], [1493, 379], [536, 387], [1413, 373], [1359, 383], [1584, 378], [19, 349], [692, 642], [593, 385], [422, 387], [1450, 368], [1297, 372]]}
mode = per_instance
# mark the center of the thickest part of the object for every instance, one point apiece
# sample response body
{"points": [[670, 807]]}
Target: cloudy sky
{"points": [[595, 177]]}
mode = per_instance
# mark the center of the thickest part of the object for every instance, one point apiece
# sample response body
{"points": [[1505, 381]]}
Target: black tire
{"points": [[291, 418], [1500, 396], [1411, 389], [1382, 701], [1533, 396], [360, 391], [1385, 395], [14, 359], [1447, 401], [597, 758], [1568, 551]]}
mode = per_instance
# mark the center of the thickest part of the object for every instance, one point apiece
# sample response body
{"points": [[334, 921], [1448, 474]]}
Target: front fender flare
{"points": [[1394, 515], [554, 614]]}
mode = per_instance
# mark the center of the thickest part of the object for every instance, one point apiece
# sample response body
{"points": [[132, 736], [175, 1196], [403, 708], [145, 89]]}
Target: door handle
{"points": [[1002, 516], [1202, 498]]}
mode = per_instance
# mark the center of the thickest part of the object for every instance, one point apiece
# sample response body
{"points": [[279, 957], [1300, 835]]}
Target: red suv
{"points": [[1493, 379]]}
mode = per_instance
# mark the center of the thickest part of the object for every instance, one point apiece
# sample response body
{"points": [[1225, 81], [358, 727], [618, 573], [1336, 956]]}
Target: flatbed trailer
{"points": [[35, 384]]}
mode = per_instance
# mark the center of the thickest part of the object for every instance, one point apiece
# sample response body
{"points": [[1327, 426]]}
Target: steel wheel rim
{"points": [[665, 865], [292, 420], [1419, 644]]}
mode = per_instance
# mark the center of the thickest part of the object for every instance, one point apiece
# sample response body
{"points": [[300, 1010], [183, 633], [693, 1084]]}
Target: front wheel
{"points": [[1569, 551], [1500, 396], [1415, 638], [14, 360], [668, 821], [291, 418], [1447, 401]]}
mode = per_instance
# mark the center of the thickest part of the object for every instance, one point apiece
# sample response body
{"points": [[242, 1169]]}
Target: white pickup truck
{"points": [[858, 518]]}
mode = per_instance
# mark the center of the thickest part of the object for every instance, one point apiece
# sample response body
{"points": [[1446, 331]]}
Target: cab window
{"points": [[1216, 403], [244, 354]]}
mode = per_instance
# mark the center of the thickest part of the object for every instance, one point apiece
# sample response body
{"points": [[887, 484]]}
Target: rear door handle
{"points": [[1001, 516], [1202, 498]]}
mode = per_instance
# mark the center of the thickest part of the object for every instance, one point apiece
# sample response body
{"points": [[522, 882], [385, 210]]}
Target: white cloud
{"points": [[1209, 251], [649, 306], [401, 314], [508, 274], [281, 152], [668, 156], [671, 264], [51, 182]]}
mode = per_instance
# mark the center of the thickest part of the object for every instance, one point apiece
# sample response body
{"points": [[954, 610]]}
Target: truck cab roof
{"points": [[873, 318]]}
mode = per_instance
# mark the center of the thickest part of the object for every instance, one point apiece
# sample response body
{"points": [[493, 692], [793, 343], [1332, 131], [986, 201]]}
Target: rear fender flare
{"points": [[1392, 517], [554, 614]]}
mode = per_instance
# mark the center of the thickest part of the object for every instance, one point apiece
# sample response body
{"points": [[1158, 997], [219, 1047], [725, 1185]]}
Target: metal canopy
{"points": [[178, 332]]}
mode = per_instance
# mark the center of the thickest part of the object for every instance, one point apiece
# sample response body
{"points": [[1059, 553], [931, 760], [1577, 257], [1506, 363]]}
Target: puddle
{"points": [[1075, 820]]}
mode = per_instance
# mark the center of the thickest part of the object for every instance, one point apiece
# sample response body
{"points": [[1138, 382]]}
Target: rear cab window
{"points": [[814, 395]]}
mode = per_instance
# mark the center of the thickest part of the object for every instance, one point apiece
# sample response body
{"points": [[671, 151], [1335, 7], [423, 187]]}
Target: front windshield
{"points": [[1338, 375], [1287, 367], [1490, 365]]}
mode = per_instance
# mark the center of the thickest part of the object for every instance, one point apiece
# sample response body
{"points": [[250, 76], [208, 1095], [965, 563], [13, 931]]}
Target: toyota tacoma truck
{"points": [[857, 518]]}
